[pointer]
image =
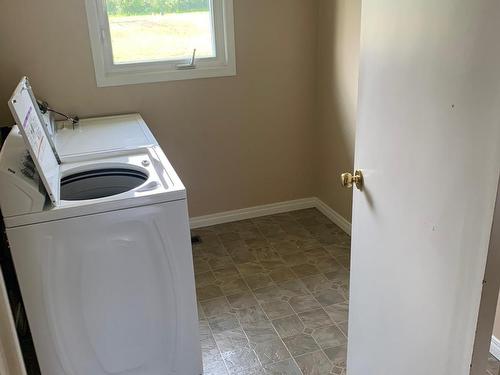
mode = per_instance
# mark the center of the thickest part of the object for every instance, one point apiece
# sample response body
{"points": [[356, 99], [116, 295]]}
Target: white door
{"points": [[428, 143]]}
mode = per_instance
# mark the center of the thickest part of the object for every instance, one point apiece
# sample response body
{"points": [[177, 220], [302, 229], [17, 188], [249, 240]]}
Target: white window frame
{"points": [[110, 74]]}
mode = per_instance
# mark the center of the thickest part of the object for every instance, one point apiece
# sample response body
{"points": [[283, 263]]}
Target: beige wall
{"points": [[496, 328], [338, 55], [489, 298], [282, 129], [236, 142]]}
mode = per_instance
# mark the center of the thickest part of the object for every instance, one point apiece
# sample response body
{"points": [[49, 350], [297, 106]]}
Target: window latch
{"points": [[102, 34], [189, 65]]}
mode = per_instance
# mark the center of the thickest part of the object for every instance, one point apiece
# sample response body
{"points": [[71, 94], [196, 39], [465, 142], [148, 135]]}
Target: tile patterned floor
{"points": [[493, 366], [273, 296]]}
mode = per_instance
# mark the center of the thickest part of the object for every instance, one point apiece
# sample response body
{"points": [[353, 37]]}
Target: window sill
{"points": [[134, 77]]}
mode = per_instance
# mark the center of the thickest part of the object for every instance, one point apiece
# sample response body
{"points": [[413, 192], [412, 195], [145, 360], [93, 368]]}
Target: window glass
{"points": [[160, 30]]}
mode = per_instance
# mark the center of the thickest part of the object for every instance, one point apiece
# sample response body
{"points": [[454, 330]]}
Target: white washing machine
{"points": [[101, 246]]}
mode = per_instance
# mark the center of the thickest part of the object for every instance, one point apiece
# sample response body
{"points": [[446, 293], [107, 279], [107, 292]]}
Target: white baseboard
{"points": [[334, 216], [271, 209], [495, 347], [251, 212]]}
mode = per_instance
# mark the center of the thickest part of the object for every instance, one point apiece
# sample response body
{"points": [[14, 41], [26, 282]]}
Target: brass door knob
{"points": [[348, 180]]}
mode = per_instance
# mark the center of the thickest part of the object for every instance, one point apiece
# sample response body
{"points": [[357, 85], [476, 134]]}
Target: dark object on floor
{"points": [[195, 240]]}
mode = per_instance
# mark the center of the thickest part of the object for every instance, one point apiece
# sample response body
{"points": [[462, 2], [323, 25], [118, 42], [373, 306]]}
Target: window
{"points": [[139, 41]]}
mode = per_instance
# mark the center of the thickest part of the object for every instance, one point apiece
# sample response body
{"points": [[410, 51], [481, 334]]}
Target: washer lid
{"points": [[25, 112]]}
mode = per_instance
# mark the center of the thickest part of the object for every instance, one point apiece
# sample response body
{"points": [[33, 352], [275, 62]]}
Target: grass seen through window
{"points": [[157, 30]]}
